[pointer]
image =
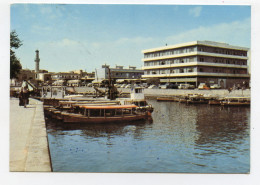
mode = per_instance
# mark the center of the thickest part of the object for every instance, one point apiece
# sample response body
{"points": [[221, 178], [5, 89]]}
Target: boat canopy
{"points": [[109, 107], [237, 97]]}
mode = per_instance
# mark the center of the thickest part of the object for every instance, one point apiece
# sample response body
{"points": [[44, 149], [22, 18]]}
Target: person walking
{"points": [[25, 95], [21, 103]]}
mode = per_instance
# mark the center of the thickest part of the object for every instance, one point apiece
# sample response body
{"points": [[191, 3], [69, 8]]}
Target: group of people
{"points": [[24, 96]]}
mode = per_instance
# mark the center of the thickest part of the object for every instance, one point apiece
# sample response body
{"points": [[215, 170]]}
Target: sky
{"points": [[72, 37]]}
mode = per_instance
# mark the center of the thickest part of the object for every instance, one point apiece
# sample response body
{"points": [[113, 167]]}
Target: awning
{"points": [[109, 107]]}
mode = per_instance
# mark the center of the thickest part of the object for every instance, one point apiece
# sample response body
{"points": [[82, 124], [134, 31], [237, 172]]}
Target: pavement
{"points": [[29, 150]]}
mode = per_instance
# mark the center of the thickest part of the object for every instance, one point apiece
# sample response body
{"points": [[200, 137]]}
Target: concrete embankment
{"points": [[29, 149], [176, 92]]}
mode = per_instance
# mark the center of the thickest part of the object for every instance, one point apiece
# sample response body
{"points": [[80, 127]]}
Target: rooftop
{"points": [[193, 43]]}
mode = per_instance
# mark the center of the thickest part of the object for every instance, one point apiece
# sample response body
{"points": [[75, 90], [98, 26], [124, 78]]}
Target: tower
{"points": [[37, 61]]}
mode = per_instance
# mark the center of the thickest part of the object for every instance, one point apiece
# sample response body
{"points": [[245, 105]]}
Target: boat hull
{"points": [[74, 118]]}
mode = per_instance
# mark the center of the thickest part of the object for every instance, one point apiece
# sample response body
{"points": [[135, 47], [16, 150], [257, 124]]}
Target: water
{"points": [[181, 138]]}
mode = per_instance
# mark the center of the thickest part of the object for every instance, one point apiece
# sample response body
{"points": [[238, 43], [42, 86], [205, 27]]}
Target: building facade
{"points": [[118, 73], [198, 62]]}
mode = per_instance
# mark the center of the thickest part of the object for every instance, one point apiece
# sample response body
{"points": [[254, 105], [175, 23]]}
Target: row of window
{"points": [[195, 48], [170, 52], [201, 69], [222, 51], [126, 74], [193, 59]]}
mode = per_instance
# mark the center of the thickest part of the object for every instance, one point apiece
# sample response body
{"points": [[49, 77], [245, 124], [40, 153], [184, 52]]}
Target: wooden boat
{"points": [[236, 101], [214, 102], [100, 114], [97, 110], [167, 99], [196, 99]]}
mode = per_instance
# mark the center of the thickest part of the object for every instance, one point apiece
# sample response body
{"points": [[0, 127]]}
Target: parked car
{"points": [[215, 86], [203, 86], [186, 86], [145, 85], [128, 86], [153, 87], [117, 85], [163, 86], [89, 85], [172, 86]]}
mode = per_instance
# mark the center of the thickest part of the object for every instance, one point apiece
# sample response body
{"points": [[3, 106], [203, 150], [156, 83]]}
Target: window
{"points": [[181, 71], [201, 69], [201, 59]]}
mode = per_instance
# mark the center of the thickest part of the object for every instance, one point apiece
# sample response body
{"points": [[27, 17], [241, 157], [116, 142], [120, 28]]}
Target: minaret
{"points": [[37, 61]]}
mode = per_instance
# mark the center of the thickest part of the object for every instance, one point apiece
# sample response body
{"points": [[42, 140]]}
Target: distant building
{"points": [[118, 73], [26, 74], [66, 76], [198, 62]]}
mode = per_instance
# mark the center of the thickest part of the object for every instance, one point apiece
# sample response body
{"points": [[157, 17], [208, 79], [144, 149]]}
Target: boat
{"points": [[236, 101], [99, 113], [214, 102], [167, 99], [136, 98], [100, 110], [197, 99]]}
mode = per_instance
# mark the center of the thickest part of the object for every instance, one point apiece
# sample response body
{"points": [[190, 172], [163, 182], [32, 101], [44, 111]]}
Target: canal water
{"points": [[180, 139]]}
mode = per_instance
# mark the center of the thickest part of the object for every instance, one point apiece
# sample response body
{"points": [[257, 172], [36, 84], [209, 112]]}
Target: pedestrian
{"points": [[20, 96], [25, 95]]}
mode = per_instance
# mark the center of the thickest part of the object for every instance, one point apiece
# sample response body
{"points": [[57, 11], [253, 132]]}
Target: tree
{"points": [[15, 65]]}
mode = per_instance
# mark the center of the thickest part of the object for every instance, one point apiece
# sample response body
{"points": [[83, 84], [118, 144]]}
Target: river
{"points": [[180, 139]]}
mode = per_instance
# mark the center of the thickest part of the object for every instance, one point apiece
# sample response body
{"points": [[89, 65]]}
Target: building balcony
{"points": [[195, 53], [188, 64], [195, 74]]}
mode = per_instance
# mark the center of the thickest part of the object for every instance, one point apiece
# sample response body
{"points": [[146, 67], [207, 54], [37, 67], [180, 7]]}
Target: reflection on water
{"points": [[181, 138]]}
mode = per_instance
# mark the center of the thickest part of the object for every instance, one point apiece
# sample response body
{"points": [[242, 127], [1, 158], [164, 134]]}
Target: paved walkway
{"points": [[28, 138]]}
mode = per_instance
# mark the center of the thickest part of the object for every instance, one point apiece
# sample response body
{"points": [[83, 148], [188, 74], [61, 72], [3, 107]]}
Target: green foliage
{"points": [[15, 65]]}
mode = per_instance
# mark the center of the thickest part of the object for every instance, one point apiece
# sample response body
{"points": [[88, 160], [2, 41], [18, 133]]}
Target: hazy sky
{"points": [[72, 37]]}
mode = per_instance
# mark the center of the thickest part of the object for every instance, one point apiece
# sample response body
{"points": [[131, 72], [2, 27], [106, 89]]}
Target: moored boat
{"points": [[100, 114], [197, 99], [236, 101], [167, 99]]}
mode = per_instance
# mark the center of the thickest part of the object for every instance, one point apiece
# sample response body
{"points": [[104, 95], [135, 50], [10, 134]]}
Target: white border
{"points": [[7, 177]]}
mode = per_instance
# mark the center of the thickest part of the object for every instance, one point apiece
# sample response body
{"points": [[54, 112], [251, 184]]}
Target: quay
{"points": [[170, 92], [29, 150]]}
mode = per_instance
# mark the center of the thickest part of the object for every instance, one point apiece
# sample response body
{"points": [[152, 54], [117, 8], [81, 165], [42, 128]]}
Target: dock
{"points": [[29, 150]]}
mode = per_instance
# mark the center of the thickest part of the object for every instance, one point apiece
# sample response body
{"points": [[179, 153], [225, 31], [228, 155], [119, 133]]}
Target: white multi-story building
{"points": [[119, 72], [198, 62]]}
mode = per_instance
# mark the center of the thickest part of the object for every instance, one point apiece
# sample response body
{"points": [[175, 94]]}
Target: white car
{"points": [[215, 86], [153, 87]]}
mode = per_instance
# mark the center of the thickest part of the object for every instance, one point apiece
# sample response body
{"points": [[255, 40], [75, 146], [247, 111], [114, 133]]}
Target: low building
{"points": [[66, 76], [198, 62], [117, 73], [26, 74]]}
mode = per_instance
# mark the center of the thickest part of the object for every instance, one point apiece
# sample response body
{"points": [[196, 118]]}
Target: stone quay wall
{"points": [[177, 92]]}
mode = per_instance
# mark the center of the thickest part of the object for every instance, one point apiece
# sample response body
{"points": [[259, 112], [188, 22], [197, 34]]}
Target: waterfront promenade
{"points": [[28, 138]]}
